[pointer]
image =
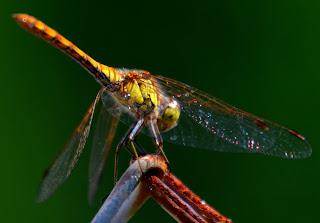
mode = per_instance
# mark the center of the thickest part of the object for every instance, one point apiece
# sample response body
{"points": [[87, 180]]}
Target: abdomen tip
{"points": [[21, 18]]}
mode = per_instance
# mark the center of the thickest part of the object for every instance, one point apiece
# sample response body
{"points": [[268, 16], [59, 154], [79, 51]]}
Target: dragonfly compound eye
{"points": [[170, 116]]}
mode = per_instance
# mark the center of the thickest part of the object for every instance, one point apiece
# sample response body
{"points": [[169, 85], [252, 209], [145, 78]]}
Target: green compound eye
{"points": [[171, 115]]}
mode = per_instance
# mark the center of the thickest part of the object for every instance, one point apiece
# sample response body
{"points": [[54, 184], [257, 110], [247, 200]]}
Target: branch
{"points": [[134, 188]]}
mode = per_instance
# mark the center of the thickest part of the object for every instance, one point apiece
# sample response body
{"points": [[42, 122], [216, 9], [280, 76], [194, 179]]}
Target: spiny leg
{"points": [[132, 137], [129, 136], [136, 155], [115, 170], [139, 146], [128, 149], [122, 141], [159, 142]]}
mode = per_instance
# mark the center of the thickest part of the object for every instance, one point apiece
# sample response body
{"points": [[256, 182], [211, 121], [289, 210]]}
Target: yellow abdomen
{"points": [[102, 73]]}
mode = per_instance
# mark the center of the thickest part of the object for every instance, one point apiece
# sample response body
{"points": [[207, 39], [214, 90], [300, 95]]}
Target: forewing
{"points": [[104, 133], [248, 133], [62, 165], [115, 108]]}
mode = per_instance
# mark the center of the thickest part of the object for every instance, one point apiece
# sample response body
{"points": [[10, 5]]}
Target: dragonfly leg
{"points": [[136, 155], [129, 137], [159, 142], [139, 146], [122, 141], [128, 149]]}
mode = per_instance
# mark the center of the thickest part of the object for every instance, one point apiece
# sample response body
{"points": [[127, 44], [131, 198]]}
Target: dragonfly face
{"points": [[157, 102]]}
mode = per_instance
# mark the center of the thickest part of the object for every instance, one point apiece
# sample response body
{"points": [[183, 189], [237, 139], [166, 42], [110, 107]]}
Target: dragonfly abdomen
{"points": [[102, 73]]}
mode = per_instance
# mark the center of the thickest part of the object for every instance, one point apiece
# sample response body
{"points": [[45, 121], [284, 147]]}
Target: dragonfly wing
{"points": [[62, 165], [104, 133], [115, 108], [248, 133]]}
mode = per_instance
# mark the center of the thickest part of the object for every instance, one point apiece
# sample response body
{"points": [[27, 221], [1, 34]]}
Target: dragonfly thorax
{"points": [[137, 92]]}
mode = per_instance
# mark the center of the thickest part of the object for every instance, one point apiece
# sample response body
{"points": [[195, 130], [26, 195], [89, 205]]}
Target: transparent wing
{"points": [[104, 133], [62, 165], [116, 109], [203, 117]]}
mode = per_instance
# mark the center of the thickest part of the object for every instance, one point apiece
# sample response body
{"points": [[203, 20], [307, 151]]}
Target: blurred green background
{"points": [[261, 56]]}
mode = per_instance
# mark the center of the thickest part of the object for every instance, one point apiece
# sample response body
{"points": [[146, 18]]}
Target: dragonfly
{"points": [[160, 107]]}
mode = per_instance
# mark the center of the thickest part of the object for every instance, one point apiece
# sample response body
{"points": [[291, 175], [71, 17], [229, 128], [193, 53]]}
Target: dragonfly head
{"points": [[169, 118]]}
